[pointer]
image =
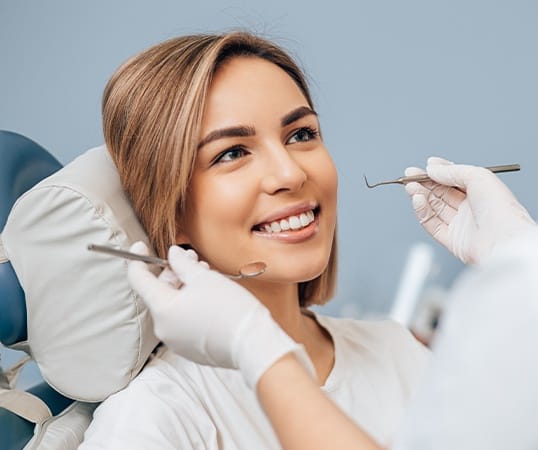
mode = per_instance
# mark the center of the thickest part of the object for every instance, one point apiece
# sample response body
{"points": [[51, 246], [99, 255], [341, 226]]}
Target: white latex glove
{"points": [[209, 318], [466, 208]]}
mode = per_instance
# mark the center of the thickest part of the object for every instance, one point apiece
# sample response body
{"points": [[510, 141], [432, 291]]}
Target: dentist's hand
{"points": [[466, 208], [209, 318]]}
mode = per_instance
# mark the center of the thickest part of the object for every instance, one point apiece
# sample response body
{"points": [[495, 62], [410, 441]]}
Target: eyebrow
{"points": [[297, 114], [240, 131], [246, 131]]}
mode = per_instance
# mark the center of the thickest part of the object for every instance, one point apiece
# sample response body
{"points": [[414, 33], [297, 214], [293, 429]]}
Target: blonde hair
{"points": [[152, 115]]}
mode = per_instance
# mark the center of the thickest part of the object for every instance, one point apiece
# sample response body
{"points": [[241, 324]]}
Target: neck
{"points": [[282, 300]]}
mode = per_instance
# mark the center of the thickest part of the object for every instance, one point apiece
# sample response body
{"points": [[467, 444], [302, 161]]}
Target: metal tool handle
{"points": [[505, 168], [128, 255], [494, 169], [249, 270]]}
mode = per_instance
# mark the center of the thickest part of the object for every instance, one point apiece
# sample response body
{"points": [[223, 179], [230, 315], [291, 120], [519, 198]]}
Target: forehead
{"points": [[245, 89]]}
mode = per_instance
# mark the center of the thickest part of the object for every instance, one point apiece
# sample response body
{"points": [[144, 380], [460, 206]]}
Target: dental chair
{"points": [[71, 310]]}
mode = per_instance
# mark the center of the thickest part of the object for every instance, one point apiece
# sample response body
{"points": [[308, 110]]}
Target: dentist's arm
{"points": [[302, 416]]}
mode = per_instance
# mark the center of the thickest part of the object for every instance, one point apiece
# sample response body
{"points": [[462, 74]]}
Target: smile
{"points": [[293, 223]]}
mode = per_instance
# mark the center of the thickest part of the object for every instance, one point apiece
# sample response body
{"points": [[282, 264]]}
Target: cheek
{"points": [[331, 178], [326, 181], [220, 209], [323, 173]]}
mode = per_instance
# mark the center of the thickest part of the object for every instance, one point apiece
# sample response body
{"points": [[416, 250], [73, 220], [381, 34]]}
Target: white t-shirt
{"points": [[177, 404]]}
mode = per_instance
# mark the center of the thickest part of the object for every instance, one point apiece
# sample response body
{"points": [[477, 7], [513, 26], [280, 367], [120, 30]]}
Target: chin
{"points": [[299, 272], [313, 273]]}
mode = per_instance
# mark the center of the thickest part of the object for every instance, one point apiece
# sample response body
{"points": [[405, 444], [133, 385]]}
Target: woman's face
{"points": [[264, 186]]}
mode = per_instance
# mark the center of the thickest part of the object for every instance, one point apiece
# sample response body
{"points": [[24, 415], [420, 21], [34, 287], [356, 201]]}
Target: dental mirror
{"points": [[249, 270]]}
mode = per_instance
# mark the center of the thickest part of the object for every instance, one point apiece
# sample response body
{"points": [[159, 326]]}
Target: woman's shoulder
{"points": [[383, 351], [377, 329], [382, 337]]}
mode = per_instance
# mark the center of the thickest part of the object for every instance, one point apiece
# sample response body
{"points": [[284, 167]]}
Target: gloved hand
{"points": [[209, 318], [466, 208]]}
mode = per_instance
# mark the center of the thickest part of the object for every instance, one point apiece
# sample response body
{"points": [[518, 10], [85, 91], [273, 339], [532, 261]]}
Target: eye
{"points": [[230, 155], [303, 134]]}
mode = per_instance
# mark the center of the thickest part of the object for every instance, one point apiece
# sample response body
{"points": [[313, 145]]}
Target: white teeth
{"points": [[295, 222], [292, 222]]}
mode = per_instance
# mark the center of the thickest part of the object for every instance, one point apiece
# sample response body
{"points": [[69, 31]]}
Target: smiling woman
{"points": [[180, 95], [219, 146]]}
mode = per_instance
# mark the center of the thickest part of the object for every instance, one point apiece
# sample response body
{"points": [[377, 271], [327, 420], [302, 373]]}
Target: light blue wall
{"points": [[394, 82]]}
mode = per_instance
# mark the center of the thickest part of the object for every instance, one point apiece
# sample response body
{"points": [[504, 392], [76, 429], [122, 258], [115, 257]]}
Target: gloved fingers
{"points": [[437, 160], [450, 195], [154, 292], [169, 276], [462, 235], [458, 175], [192, 254], [427, 216], [183, 263], [140, 248], [412, 171], [150, 287], [481, 186], [419, 195], [441, 202], [435, 205], [443, 210]]}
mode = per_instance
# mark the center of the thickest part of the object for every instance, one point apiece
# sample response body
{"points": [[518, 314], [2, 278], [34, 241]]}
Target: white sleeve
{"points": [[480, 391], [151, 414]]}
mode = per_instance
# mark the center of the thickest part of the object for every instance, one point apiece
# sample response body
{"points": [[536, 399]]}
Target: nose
{"points": [[282, 172]]}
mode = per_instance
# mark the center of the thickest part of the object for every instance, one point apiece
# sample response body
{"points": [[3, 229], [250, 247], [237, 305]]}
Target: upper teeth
{"points": [[291, 222]]}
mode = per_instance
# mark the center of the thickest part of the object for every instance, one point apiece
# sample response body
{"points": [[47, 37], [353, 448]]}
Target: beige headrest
{"points": [[87, 330]]}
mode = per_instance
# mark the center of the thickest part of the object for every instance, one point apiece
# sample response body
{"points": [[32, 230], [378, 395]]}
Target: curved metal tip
{"points": [[370, 186]]}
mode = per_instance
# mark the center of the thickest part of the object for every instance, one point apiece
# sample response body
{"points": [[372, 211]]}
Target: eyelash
{"points": [[312, 134], [220, 157]]}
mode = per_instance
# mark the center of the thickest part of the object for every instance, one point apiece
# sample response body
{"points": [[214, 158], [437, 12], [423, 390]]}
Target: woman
{"points": [[218, 146]]}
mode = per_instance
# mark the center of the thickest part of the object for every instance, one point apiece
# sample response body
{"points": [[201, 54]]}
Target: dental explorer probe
{"points": [[423, 177], [249, 270]]}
